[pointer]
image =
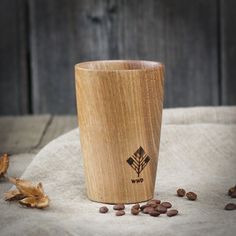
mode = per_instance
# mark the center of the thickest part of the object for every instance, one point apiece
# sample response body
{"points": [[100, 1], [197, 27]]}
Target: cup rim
{"points": [[146, 65]]}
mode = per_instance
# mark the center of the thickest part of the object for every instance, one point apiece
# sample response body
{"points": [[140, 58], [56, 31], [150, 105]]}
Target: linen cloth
{"points": [[197, 152]]}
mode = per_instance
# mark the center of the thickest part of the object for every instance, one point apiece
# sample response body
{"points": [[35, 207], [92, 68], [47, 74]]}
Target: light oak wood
{"points": [[119, 107]]}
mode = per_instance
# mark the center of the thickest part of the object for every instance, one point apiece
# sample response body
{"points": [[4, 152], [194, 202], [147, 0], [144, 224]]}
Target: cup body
{"points": [[119, 106]]}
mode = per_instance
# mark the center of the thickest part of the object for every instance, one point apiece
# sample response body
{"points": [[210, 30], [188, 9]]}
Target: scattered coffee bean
{"points": [[146, 210], [166, 204], [134, 211], [103, 209], [136, 206], [181, 192], [120, 213], [233, 195], [157, 201], [154, 213], [171, 213], [161, 209], [152, 203], [191, 196], [119, 207], [143, 207], [230, 207], [231, 190]]}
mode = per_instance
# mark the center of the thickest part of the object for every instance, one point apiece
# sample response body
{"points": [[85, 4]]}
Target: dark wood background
{"points": [[41, 40]]}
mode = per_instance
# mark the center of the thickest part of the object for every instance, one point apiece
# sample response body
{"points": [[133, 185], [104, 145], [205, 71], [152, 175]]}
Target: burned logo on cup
{"points": [[138, 161]]}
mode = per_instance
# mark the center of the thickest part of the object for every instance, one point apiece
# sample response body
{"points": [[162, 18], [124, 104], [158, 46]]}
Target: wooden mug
{"points": [[119, 107]]}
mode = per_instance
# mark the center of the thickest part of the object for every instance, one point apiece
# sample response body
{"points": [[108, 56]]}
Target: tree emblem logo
{"points": [[138, 160]]}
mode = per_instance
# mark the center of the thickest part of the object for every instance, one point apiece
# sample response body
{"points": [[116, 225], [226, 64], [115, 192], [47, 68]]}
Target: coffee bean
{"points": [[230, 207], [152, 203], [146, 210], [181, 192], [233, 195], [136, 206], [161, 209], [191, 196], [154, 213], [103, 209], [166, 204], [171, 213], [134, 211], [120, 213], [143, 207], [119, 207], [157, 201], [231, 190]]}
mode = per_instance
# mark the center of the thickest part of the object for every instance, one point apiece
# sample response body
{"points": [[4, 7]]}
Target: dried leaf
{"points": [[35, 202], [12, 180], [13, 195], [28, 201], [34, 196], [40, 188], [43, 202], [4, 164], [27, 188]]}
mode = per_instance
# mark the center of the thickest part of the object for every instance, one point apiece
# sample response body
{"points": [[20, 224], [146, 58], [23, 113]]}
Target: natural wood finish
{"points": [[119, 109]]}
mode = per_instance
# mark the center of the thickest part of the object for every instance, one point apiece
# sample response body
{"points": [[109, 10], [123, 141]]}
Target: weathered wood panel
{"points": [[13, 58], [59, 125], [182, 34], [23, 133], [228, 51]]}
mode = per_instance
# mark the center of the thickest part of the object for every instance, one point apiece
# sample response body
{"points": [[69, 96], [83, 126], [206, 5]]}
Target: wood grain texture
{"points": [[181, 34], [120, 111], [13, 62], [58, 125], [58, 42], [228, 51], [21, 134], [190, 29]]}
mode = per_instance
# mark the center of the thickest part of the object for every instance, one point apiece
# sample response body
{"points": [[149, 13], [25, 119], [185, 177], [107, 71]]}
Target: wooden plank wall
{"points": [[192, 37], [228, 51], [14, 85]]}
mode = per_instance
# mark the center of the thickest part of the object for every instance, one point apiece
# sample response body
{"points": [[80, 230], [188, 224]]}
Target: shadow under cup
{"points": [[119, 107]]}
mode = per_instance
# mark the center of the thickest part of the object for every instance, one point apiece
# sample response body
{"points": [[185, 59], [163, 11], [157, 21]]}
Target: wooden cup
{"points": [[119, 107]]}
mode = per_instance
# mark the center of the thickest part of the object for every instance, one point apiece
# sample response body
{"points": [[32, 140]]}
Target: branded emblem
{"points": [[138, 161]]}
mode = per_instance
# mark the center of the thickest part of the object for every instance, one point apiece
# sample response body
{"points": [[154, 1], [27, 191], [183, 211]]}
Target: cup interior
{"points": [[115, 65]]}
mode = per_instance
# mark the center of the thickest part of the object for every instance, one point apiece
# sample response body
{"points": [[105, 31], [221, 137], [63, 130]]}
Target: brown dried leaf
{"points": [[34, 196], [13, 195], [40, 188], [27, 188], [28, 201], [35, 202], [4, 164], [43, 202]]}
